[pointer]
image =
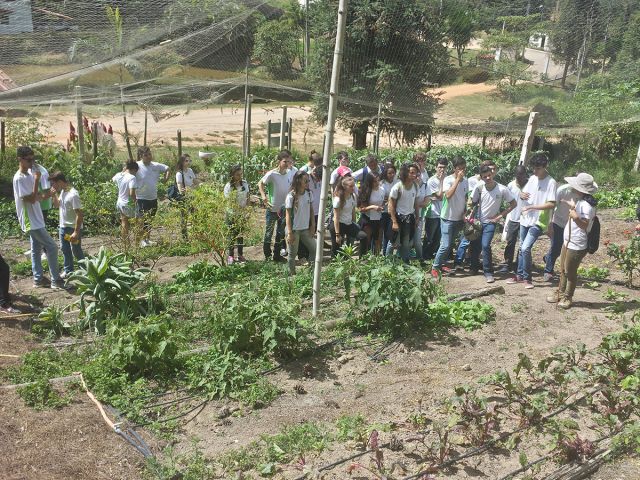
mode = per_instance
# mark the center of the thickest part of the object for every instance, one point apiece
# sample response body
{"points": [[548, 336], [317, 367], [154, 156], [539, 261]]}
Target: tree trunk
{"points": [[359, 135], [460, 51], [564, 73]]}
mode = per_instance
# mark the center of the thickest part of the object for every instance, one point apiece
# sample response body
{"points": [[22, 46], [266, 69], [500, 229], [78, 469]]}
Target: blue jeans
{"points": [[483, 244], [554, 250], [69, 250], [273, 221], [528, 236], [417, 238], [41, 239], [449, 230], [462, 250]]}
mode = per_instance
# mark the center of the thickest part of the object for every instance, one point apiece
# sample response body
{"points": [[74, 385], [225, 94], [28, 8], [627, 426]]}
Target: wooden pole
{"points": [[283, 126], [532, 125], [429, 139], [289, 133], [179, 143], [79, 120], [94, 139], [248, 145], [246, 102], [146, 118], [326, 160]]}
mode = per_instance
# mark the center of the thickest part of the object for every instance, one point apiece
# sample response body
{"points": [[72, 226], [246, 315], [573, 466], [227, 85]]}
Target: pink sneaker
{"points": [[528, 284], [514, 280], [229, 260], [241, 259]]}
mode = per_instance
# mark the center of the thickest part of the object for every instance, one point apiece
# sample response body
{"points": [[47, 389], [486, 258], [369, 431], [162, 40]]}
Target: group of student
{"points": [[390, 208]]}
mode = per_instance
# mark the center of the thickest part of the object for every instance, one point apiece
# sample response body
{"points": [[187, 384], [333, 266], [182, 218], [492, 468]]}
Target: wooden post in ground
{"points": [[127, 140], [179, 144], [248, 132], [79, 120], [94, 139], [146, 120], [429, 140], [532, 125], [289, 133], [283, 126]]}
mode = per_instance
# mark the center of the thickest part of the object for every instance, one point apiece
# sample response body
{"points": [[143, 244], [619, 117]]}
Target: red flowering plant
{"points": [[627, 258]]}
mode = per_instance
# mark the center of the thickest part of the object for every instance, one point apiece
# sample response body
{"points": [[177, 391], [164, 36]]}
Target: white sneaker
{"points": [[64, 275], [548, 277], [143, 243], [283, 252]]}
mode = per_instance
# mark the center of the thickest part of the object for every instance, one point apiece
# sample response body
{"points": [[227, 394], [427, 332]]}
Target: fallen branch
{"points": [[483, 292]]}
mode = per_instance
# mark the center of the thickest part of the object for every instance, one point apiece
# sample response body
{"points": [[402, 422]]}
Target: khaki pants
{"points": [[569, 262], [306, 237]]}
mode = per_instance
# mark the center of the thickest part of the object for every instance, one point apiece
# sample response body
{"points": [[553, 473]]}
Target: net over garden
{"points": [[416, 65]]}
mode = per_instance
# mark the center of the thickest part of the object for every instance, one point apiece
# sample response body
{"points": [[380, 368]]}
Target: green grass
{"points": [[479, 106]]}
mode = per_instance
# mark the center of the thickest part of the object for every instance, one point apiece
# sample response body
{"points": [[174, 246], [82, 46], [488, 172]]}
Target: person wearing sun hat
{"points": [[581, 214]]}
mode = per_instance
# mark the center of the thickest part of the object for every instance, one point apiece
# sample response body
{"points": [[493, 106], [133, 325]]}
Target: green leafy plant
{"points": [[105, 283], [593, 273], [626, 257], [41, 395], [50, 321], [468, 315]]}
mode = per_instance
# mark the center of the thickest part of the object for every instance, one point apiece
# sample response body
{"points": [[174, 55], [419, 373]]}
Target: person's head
{"points": [[407, 173], [370, 183], [58, 181], [420, 158], [235, 174], [491, 164], [486, 175], [132, 166], [390, 171], [346, 186], [300, 182], [372, 162], [441, 165], [144, 154], [539, 162], [184, 162], [582, 185], [25, 157], [521, 175], [343, 171], [459, 164], [317, 172], [283, 160], [315, 158], [343, 158]]}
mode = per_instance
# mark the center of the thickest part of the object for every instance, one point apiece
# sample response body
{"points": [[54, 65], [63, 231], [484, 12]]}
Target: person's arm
{"points": [[503, 214], [392, 213], [440, 193], [542, 206], [289, 225], [78, 225], [180, 183], [336, 224], [353, 215], [263, 194], [581, 222], [37, 174], [452, 190], [167, 172], [55, 199], [312, 219]]}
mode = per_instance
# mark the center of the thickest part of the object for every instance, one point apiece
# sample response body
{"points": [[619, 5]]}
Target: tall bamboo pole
{"points": [[328, 142]]}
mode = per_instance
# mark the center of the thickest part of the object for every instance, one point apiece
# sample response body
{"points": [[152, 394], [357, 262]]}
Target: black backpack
{"points": [[593, 236]]}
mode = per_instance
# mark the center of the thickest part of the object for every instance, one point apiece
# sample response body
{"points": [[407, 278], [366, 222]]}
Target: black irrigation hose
{"points": [[170, 402], [144, 424], [137, 441]]}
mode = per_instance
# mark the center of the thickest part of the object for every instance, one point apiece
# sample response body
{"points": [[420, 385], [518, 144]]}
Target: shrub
{"points": [[627, 258], [468, 315], [474, 74]]}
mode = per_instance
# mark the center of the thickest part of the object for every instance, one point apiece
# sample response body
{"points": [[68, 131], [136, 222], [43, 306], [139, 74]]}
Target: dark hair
{"points": [[371, 157], [339, 191], [365, 190], [283, 155], [520, 169], [295, 183], [539, 159], [488, 163], [388, 166], [442, 161], [485, 169], [316, 158], [181, 160], [24, 151], [132, 165], [142, 150], [419, 156], [342, 154], [403, 174], [232, 170], [458, 160], [476, 169], [58, 177]]}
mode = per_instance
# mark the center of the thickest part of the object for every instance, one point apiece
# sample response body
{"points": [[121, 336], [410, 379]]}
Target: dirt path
{"points": [[463, 89]]}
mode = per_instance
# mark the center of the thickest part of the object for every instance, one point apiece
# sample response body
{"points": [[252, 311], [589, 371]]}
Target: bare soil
{"points": [[410, 375]]}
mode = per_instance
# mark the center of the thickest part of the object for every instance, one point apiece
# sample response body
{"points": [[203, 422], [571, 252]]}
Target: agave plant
{"points": [[105, 284]]}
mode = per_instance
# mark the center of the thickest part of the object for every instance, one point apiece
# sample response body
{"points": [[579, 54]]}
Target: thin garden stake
{"points": [[328, 142]]}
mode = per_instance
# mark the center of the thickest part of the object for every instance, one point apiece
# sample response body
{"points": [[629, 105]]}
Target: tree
{"points": [[393, 50], [461, 23], [276, 47]]}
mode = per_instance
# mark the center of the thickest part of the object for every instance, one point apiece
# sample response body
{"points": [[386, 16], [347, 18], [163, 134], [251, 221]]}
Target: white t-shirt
{"points": [[423, 192], [514, 215], [490, 200], [314, 188], [69, 203], [346, 212], [44, 186], [453, 208], [147, 177], [424, 176], [29, 214], [189, 177], [561, 213], [387, 186], [359, 174], [277, 188], [575, 238], [291, 172], [435, 207], [334, 177], [242, 193], [473, 182], [125, 182], [540, 191], [302, 212], [376, 198], [406, 205]]}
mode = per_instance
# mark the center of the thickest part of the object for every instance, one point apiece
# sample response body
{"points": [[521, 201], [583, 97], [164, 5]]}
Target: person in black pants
{"points": [[5, 300]]}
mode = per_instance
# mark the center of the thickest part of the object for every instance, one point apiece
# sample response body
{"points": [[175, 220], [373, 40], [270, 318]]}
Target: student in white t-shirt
{"points": [[237, 190], [27, 197], [420, 159], [315, 187], [435, 190], [148, 175], [343, 161], [313, 161], [71, 217], [512, 227], [276, 184], [371, 166], [403, 206], [581, 215], [422, 201], [488, 197], [371, 204], [300, 219], [185, 177], [556, 227], [455, 188], [344, 214], [389, 179], [126, 205], [539, 199]]}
